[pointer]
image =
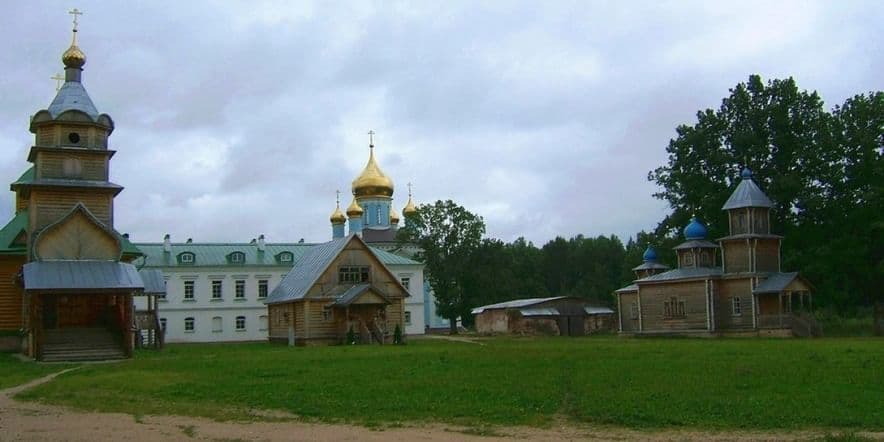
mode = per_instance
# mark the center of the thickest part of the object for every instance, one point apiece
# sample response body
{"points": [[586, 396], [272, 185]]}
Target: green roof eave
{"points": [[10, 231], [25, 178]]}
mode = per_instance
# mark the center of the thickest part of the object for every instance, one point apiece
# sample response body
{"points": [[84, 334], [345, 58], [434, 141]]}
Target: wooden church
{"points": [[66, 285], [732, 286]]}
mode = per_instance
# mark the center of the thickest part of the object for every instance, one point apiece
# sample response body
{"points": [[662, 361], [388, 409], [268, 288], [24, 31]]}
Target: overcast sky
{"points": [[235, 119]]}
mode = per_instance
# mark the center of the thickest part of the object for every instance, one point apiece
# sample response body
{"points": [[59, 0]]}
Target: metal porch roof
{"points": [[81, 275]]}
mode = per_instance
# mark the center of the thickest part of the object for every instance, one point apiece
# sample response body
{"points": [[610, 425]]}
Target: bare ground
{"points": [[28, 421]]}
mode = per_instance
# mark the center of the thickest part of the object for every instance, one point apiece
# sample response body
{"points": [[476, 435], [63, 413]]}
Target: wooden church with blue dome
{"points": [[732, 286]]}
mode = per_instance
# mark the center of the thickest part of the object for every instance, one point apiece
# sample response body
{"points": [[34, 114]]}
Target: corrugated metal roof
{"points": [[11, 231], [72, 96], [549, 311], [685, 273], [629, 288], [650, 265], [749, 236], [776, 282], [308, 269], [747, 194], [215, 254], [696, 244], [353, 293], [597, 310], [81, 275], [154, 284], [91, 184], [517, 303], [26, 177]]}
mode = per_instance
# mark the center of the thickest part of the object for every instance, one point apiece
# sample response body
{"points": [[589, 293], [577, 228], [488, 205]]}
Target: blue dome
{"points": [[650, 254], [746, 173], [695, 230]]}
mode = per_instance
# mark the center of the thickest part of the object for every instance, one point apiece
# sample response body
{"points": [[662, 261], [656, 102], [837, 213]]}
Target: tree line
{"points": [[822, 169]]}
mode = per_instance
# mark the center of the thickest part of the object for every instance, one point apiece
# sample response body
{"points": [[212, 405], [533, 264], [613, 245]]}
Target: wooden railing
{"points": [[806, 326]]}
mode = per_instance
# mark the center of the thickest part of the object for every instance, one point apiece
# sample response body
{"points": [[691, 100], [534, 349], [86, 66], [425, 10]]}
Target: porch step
{"points": [[85, 344]]}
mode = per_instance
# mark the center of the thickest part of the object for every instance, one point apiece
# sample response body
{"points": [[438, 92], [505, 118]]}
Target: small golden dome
{"points": [[409, 208], [394, 217], [73, 57], [354, 210], [372, 181], [337, 217]]}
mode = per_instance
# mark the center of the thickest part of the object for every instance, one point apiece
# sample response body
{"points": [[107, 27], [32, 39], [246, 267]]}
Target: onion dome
{"points": [[394, 217], [372, 181], [746, 173], [650, 254], [337, 217], [409, 208], [73, 57], [354, 210], [695, 230]]}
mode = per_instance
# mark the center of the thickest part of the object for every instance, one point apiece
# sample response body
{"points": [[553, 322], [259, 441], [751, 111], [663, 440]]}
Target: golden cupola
{"points": [[394, 216], [409, 208], [354, 210], [74, 57], [337, 217], [372, 182]]}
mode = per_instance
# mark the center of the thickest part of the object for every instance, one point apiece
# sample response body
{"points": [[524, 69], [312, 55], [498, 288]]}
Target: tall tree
{"points": [[448, 235], [822, 170]]}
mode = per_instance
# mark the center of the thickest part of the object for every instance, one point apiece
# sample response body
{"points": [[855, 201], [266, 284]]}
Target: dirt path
{"points": [[27, 421]]}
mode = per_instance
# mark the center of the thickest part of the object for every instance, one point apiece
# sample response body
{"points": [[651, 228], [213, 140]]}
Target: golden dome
{"points": [[409, 208], [394, 217], [337, 217], [372, 181], [73, 57], [354, 210]]}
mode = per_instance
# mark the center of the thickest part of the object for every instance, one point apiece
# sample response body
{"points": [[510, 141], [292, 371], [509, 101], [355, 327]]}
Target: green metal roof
{"points": [[216, 254], [10, 231], [26, 177], [128, 247]]}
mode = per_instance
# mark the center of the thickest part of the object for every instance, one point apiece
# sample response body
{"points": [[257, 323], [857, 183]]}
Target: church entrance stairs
{"points": [[81, 344]]}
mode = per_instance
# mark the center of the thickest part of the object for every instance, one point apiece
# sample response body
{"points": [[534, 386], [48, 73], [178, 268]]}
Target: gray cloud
{"points": [[238, 119]]}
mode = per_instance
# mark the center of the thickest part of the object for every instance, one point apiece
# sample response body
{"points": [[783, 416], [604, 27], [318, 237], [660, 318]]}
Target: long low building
{"points": [[556, 316]]}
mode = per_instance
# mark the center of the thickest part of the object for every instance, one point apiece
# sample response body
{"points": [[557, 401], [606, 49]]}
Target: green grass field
{"points": [[14, 371], [638, 383]]}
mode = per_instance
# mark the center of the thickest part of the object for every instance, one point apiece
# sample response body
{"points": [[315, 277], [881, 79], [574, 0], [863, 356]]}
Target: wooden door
{"points": [[50, 311]]}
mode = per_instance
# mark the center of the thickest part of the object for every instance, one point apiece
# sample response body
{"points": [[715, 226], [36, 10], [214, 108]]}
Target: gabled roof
{"points": [[517, 303], [650, 265], [312, 265], [81, 275], [353, 293], [11, 231], [777, 282], [747, 194], [685, 273]]}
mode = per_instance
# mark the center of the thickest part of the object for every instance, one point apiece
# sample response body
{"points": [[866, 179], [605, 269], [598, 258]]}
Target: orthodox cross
{"points": [[409, 190], [338, 197], [58, 79], [75, 12], [371, 138]]}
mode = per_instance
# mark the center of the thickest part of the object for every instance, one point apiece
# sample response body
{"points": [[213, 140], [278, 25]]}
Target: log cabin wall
{"points": [[692, 293], [51, 205], [59, 165], [628, 320], [736, 256], [767, 253], [725, 317], [10, 294]]}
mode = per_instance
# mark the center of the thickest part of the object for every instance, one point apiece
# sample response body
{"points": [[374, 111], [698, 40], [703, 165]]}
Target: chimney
{"points": [[190, 240], [261, 245], [126, 236], [167, 243]]}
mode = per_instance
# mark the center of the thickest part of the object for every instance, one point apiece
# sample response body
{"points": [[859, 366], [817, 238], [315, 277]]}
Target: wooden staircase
{"points": [[806, 326], [81, 344]]}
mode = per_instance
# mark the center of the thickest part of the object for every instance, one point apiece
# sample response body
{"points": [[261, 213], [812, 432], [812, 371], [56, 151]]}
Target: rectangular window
{"points": [[216, 289], [673, 308], [188, 290], [163, 324], [217, 325], [188, 325], [262, 288], [326, 314], [407, 318], [240, 289], [240, 323], [353, 274], [634, 310], [406, 282], [736, 306]]}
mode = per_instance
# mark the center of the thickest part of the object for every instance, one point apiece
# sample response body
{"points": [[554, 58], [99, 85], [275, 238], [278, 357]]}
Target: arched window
{"points": [[237, 258]]}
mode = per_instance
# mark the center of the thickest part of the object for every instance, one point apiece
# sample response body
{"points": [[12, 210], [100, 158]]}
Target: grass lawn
{"points": [[638, 383], [14, 371]]}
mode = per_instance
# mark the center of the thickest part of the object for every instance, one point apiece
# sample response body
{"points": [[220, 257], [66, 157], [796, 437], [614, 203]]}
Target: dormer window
{"points": [[186, 258], [237, 258], [285, 257]]}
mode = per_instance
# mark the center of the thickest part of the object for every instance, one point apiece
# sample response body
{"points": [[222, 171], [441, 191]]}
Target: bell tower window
{"points": [[72, 167], [74, 138]]}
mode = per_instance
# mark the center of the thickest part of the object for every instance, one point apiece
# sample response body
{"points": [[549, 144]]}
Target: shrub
{"points": [[397, 335]]}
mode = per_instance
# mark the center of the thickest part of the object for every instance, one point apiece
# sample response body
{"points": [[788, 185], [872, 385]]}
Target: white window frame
{"points": [[263, 288], [407, 318], [240, 289], [263, 323], [217, 290], [189, 325], [240, 323], [406, 282], [220, 324], [187, 258], [237, 257], [191, 284], [736, 306]]}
